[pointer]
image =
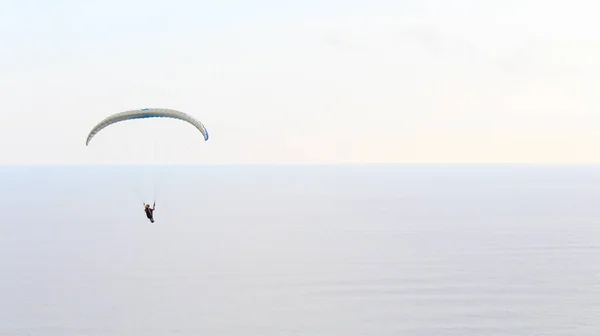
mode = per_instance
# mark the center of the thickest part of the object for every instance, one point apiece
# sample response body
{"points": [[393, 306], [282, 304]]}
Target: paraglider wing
{"points": [[143, 114]]}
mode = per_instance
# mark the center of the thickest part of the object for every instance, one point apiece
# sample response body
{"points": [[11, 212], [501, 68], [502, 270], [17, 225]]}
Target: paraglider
{"points": [[146, 113], [150, 212], [143, 114]]}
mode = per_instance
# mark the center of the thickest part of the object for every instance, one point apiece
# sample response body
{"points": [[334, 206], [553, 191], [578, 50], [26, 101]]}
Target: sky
{"points": [[277, 82]]}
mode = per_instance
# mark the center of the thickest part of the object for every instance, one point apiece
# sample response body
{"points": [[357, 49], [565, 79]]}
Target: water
{"points": [[363, 250]]}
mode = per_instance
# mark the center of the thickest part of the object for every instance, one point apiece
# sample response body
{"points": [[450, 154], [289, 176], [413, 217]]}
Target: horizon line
{"points": [[83, 165]]}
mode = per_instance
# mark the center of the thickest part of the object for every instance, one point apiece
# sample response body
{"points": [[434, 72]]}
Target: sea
{"points": [[315, 250]]}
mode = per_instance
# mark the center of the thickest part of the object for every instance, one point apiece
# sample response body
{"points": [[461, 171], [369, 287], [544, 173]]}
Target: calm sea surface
{"points": [[315, 250]]}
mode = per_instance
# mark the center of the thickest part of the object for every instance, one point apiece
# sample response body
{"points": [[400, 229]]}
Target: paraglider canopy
{"points": [[143, 114]]}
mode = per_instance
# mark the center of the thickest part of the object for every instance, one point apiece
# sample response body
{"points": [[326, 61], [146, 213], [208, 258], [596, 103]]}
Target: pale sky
{"points": [[328, 81]]}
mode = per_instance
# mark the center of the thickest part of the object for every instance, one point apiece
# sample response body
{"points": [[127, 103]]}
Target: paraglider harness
{"points": [[149, 212]]}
